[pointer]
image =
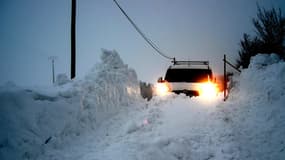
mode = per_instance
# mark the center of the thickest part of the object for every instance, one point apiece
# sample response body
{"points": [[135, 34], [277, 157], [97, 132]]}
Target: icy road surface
{"points": [[168, 128]]}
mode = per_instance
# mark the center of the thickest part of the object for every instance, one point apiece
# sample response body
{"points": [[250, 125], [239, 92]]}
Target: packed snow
{"points": [[32, 120], [103, 117], [255, 109]]}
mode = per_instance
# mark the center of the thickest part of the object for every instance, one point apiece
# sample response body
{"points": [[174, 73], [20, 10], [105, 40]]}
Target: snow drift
{"points": [[102, 117], [32, 120], [255, 110]]}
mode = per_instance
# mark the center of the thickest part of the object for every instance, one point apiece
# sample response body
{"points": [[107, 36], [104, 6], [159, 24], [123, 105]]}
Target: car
{"points": [[193, 78]]}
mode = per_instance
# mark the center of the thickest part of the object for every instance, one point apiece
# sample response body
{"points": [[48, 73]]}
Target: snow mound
{"points": [[264, 79], [62, 79], [261, 60], [255, 109], [108, 86], [27, 122], [32, 121]]}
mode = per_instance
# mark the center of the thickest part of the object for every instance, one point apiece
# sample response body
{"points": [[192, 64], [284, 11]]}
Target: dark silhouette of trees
{"points": [[270, 35], [249, 47]]}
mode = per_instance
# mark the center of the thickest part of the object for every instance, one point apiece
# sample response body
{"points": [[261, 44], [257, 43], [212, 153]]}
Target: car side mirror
{"points": [[160, 80]]}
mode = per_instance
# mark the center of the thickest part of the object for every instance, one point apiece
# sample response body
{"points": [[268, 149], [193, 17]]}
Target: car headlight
{"points": [[162, 89], [208, 90]]}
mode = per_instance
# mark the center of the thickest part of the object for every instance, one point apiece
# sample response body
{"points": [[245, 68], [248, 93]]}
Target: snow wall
{"points": [[255, 110], [32, 120]]}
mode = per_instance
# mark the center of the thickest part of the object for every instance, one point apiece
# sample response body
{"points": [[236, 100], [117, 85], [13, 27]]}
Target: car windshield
{"points": [[188, 75]]}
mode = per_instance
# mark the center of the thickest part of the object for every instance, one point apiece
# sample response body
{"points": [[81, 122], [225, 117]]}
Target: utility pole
{"points": [[52, 58], [225, 78], [73, 39]]}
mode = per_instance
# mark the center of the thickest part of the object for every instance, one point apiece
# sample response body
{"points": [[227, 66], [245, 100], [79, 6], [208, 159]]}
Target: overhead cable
{"points": [[152, 44]]}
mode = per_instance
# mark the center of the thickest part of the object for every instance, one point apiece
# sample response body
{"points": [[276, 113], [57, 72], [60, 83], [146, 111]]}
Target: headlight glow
{"points": [[208, 90], [162, 89]]}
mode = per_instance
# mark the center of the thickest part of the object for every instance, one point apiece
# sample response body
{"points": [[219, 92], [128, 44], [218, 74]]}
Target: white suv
{"points": [[193, 78]]}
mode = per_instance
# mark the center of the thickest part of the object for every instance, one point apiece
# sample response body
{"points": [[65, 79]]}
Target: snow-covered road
{"points": [[103, 117], [168, 128]]}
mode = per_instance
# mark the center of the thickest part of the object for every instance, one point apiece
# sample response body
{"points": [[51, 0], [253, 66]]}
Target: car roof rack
{"points": [[190, 62]]}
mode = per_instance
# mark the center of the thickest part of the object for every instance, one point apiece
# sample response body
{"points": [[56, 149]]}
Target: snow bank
{"points": [[34, 120], [28, 120], [248, 126], [50, 123], [255, 109], [108, 86]]}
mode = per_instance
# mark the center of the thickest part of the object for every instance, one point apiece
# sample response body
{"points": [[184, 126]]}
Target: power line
{"points": [[152, 44]]}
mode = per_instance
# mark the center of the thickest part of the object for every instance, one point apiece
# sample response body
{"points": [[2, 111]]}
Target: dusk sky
{"points": [[33, 30]]}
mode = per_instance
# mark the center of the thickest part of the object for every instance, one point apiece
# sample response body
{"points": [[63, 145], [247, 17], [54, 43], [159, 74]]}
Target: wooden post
{"points": [[73, 39], [225, 78]]}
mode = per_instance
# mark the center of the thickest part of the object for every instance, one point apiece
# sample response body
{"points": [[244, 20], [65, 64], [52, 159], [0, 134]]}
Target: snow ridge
{"points": [[34, 121], [255, 110], [102, 117]]}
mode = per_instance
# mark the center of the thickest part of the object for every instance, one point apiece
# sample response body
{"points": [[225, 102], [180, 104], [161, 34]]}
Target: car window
{"points": [[188, 75]]}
